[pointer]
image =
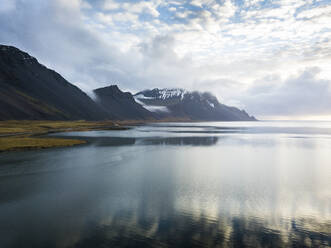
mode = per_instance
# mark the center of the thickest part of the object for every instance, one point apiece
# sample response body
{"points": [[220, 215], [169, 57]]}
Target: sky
{"points": [[269, 57]]}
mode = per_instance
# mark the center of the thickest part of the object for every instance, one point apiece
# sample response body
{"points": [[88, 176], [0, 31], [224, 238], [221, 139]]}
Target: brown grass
{"points": [[25, 143], [39, 127], [25, 134], [20, 135]]}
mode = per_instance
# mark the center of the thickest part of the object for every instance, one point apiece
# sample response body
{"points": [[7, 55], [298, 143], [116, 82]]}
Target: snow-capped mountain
{"points": [[162, 93], [29, 90], [160, 97], [179, 103]]}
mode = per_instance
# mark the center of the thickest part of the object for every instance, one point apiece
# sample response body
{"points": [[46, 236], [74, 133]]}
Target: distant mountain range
{"points": [[179, 103], [30, 91]]}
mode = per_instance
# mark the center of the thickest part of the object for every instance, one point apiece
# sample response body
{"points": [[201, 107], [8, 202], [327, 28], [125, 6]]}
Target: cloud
{"points": [[149, 7], [316, 12], [246, 53], [110, 5], [7, 5], [295, 96], [225, 10]]}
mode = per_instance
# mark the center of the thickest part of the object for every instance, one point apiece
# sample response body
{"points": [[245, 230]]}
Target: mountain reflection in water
{"points": [[176, 141], [143, 188]]}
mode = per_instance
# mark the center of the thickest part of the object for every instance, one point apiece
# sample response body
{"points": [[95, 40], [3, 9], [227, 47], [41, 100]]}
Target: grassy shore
{"points": [[27, 143], [23, 135]]}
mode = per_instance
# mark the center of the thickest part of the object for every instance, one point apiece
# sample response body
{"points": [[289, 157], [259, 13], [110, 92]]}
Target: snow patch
{"points": [[149, 107], [156, 108], [170, 93], [211, 104], [141, 96]]}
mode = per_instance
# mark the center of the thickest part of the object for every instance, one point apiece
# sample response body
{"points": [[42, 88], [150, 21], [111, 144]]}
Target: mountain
{"points": [[29, 90], [182, 104], [121, 105]]}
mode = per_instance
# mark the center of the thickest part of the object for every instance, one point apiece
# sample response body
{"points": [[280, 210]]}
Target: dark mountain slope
{"points": [[29, 90], [178, 103], [121, 105]]}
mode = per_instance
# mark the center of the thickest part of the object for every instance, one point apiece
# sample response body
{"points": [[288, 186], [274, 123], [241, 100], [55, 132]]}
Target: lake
{"points": [[212, 184]]}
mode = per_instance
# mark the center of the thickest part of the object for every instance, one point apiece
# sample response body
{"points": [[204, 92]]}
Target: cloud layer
{"points": [[272, 58]]}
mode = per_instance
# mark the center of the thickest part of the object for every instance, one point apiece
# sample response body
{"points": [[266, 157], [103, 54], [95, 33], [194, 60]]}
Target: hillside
{"points": [[121, 105], [29, 90]]}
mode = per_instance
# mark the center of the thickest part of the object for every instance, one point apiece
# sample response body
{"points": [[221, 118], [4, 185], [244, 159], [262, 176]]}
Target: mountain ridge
{"points": [[194, 105], [31, 91], [121, 105]]}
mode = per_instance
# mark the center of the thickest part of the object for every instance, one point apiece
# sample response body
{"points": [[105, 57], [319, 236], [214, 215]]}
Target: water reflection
{"points": [[133, 190], [173, 141], [181, 141], [109, 212], [185, 231]]}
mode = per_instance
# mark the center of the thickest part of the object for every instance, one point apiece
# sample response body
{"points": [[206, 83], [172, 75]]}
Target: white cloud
{"points": [[225, 10], [149, 7], [125, 17], [197, 3], [315, 12], [104, 18], [183, 14], [110, 5], [246, 54], [296, 96]]}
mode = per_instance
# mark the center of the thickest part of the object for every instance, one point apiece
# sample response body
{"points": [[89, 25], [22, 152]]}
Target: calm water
{"points": [[265, 184]]}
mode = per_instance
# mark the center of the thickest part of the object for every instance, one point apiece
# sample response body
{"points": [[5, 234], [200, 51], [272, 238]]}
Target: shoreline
{"points": [[29, 135], [21, 135]]}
